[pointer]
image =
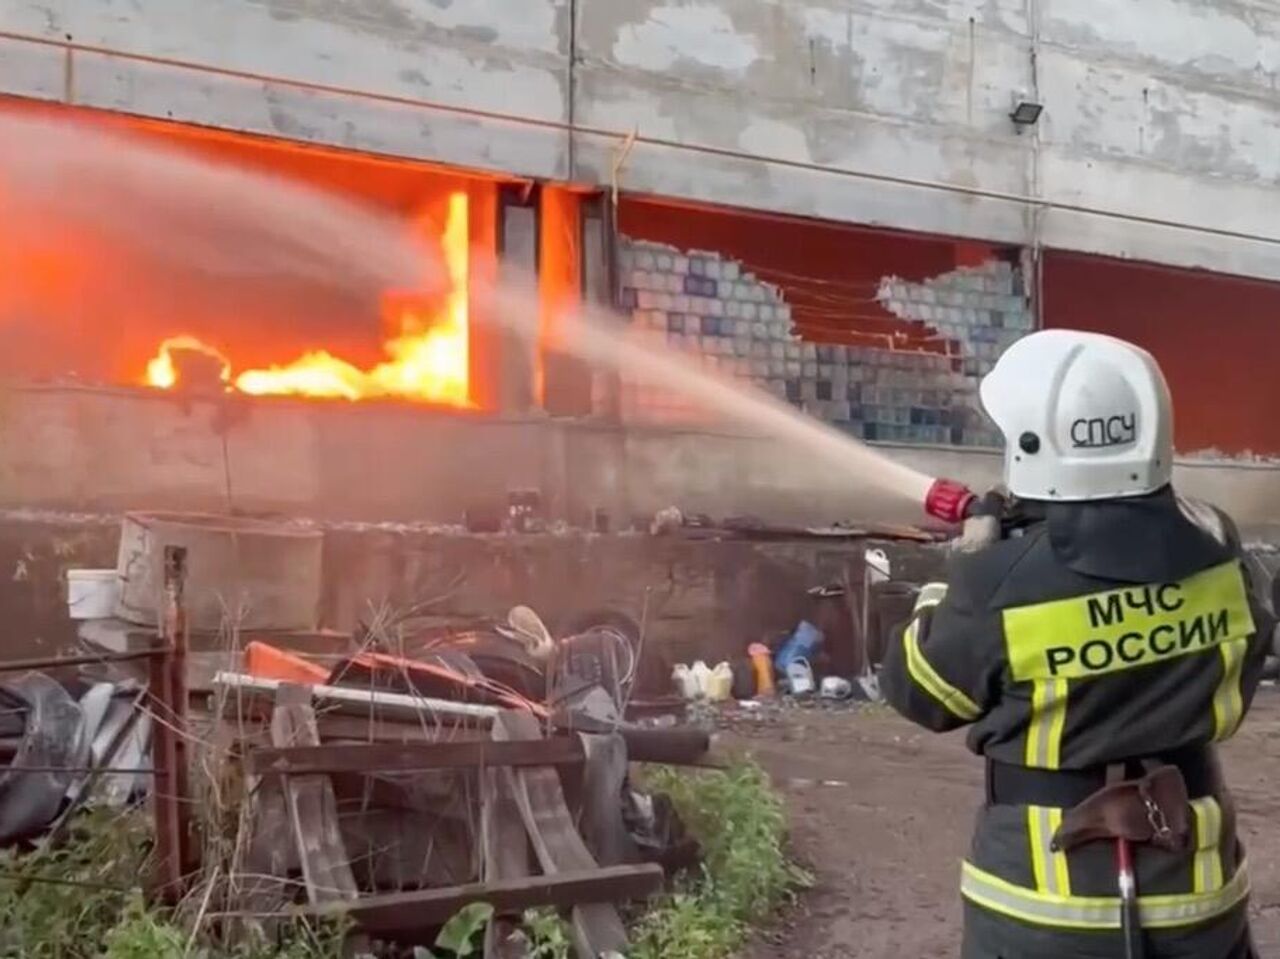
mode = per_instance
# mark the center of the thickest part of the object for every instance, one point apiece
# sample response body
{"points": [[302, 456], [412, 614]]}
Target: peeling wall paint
{"points": [[1159, 114]]}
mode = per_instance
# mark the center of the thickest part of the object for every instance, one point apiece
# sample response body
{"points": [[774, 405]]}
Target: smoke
{"points": [[110, 243]]}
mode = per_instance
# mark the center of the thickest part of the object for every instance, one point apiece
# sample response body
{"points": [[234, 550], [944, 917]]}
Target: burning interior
{"points": [[425, 341], [79, 304]]}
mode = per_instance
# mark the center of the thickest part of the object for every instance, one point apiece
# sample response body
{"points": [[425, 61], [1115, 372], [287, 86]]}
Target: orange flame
{"points": [[161, 370], [428, 357]]}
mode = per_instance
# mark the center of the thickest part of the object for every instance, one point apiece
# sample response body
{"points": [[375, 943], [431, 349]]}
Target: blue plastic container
{"points": [[803, 643]]}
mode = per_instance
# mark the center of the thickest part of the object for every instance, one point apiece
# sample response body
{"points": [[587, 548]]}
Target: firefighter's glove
{"points": [[982, 526], [978, 532]]}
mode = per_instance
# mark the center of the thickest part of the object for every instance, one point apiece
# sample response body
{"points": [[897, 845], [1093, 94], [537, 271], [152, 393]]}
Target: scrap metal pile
{"points": [[490, 765], [65, 746], [396, 778]]}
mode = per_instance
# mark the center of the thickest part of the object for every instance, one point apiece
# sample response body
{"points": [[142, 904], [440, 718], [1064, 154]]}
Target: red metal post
{"points": [[169, 705]]}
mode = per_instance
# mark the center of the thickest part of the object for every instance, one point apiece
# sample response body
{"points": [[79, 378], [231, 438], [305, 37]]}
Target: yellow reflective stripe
{"points": [[1048, 865], [1048, 716], [1228, 704], [1062, 876], [1098, 912], [924, 676], [1207, 865], [1120, 629], [931, 594]]}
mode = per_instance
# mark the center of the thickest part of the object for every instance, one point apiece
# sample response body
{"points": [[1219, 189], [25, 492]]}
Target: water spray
{"points": [[197, 224]]}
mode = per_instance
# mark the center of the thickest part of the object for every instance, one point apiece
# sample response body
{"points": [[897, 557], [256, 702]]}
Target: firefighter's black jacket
{"points": [[1111, 631]]}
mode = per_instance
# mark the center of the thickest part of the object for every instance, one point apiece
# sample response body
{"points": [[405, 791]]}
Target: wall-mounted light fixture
{"points": [[1025, 112]]}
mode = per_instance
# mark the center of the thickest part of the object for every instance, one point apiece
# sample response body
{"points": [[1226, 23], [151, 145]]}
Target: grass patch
{"points": [[745, 873], [84, 900]]}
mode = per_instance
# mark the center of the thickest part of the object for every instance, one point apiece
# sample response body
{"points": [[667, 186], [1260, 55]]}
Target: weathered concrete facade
{"points": [[105, 451], [1159, 140]]}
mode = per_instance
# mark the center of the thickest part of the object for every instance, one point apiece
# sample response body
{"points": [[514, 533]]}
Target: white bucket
{"points": [[92, 593]]}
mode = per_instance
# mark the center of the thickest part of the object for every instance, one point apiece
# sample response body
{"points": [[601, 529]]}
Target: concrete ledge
{"points": [[108, 450]]}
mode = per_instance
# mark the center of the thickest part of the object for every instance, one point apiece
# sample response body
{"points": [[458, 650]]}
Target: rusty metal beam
{"points": [[169, 706]]}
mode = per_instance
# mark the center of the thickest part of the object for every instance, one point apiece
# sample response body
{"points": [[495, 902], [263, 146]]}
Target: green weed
{"points": [[548, 936], [84, 900], [745, 874], [63, 903]]}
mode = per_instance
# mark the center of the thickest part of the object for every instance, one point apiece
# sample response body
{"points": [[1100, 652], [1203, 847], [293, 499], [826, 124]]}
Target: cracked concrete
{"points": [[1160, 111]]}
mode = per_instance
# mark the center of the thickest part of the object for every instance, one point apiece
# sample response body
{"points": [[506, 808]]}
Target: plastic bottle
{"points": [[762, 662], [800, 676], [802, 644], [684, 681], [701, 674], [721, 683]]}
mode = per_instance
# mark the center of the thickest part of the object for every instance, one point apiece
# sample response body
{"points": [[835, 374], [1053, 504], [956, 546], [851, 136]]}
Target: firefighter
{"points": [[1114, 636]]}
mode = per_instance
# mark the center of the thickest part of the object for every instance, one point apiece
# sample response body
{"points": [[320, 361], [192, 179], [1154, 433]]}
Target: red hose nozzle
{"points": [[948, 500]]}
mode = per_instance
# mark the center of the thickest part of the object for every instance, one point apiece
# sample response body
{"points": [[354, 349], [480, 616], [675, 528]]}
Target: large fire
{"points": [[427, 350]]}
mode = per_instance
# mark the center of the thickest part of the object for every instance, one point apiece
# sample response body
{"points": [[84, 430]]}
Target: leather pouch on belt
{"points": [[1152, 810]]}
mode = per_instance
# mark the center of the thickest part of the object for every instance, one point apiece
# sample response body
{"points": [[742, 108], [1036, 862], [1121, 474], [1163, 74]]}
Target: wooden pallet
{"points": [[522, 807]]}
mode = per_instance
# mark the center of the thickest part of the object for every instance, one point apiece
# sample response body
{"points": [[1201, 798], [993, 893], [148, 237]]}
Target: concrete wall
{"points": [[108, 450], [105, 451], [1159, 140]]}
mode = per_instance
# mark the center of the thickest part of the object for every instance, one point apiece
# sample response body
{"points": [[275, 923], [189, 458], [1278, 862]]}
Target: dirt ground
{"points": [[881, 812]]}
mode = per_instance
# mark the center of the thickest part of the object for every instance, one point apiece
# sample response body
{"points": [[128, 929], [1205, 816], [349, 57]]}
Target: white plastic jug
{"points": [[701, 674], [684, 681], [720, 686], [800, 677]]}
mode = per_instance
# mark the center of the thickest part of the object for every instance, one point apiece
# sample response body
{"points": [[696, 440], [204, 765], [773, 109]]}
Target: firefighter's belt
{"points": [[1010, 785]]}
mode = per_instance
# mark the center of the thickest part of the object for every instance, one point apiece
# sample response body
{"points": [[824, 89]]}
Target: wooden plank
{"points": [[313, 811], [406, 915], [602, 824], [505, 847], [680, 746], [596, 927], [411, 757], [364, 729], [262, 886]]}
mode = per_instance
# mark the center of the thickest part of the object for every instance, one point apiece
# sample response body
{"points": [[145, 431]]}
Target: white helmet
{"points": [[1084, 417]]}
